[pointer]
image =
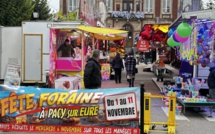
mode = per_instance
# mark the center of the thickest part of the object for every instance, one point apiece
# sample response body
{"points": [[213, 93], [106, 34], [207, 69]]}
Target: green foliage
{"points": [[41, 6], [13, 12], [72, 16]]}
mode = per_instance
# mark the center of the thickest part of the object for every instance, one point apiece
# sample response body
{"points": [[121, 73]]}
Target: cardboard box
{"points": [[69, 83]]}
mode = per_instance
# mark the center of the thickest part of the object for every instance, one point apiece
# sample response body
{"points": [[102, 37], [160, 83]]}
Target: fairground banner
{"points": [[99, 111]]}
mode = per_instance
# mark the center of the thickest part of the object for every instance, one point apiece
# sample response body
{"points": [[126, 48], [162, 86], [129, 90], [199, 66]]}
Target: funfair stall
{"points": [[194, 42], [99, 39], [65, 72]]}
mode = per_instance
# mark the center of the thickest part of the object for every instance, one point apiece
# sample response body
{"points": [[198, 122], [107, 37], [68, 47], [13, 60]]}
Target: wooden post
{"points": [[82, 50], [93, 42]]}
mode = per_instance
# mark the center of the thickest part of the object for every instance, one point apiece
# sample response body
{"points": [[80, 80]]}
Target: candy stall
{"points": [[65, 71]]}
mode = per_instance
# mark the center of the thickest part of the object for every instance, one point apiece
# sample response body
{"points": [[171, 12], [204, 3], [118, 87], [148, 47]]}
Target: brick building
{"points": [[132, 15], [129, 15]]}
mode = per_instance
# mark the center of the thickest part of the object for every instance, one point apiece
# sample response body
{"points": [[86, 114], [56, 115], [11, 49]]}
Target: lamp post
{"points": [[35, 15]]}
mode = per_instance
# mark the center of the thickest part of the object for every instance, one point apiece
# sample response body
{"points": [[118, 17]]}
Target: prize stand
{"points": [[194, 42]]}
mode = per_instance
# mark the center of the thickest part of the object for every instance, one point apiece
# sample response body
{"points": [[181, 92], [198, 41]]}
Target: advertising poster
{"points": [[12, 76], [105, 71], [99, 111]]}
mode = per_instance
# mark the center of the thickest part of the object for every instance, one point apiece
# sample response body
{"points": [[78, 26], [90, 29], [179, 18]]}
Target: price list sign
{"points": [[120, 106]]}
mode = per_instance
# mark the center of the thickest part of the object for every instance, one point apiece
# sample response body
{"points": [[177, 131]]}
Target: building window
{"points": [[73, 4], [166, 5], [117, 7], [127, 5], [108, 4], [148, 6], [137, 6]]}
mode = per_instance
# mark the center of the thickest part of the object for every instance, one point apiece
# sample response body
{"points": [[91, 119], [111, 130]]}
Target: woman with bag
{"points": [[117, 65], [130, 64]]}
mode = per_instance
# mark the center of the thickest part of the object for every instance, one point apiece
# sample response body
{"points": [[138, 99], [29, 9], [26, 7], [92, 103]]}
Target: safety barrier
{"points": [[149, 126]]}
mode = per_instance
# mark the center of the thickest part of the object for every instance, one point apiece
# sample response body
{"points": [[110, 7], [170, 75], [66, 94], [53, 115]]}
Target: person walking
{"points": [[92, 72], [130, 64], [117, 65], [211, 82]]}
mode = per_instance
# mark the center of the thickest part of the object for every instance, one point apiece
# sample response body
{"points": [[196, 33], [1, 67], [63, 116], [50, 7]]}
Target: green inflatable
{"points": [[172, 43], [184, 30]]}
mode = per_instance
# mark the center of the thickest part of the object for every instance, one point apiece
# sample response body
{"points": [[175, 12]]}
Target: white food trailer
{"points": [[28, 46]]}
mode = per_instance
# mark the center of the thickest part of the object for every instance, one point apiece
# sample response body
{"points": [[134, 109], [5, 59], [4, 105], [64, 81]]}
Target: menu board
{"points": [[12, 76]]}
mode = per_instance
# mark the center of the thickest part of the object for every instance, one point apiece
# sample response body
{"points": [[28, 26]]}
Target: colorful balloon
{"points": [[179, 38], [172, 42], [184, 30], [170, 32]]}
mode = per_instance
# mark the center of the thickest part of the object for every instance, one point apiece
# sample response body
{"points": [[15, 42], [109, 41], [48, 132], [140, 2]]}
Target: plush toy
{"points": [[158, 36], [146, 33]]}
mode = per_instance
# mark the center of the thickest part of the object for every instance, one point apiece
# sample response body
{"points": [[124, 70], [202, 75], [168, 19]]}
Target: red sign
{"points": [[142, 45], [67, 129]]}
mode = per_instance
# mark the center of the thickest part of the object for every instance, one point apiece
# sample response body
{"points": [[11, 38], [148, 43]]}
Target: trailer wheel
{"points": [[165, 125], [153, 127]]}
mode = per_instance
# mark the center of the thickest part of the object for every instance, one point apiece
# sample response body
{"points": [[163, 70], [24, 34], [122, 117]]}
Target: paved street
{"points": [[196, 124]]}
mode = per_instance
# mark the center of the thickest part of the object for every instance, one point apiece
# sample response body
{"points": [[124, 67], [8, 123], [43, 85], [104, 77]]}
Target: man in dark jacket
{"points": [[211, 82], [66, 49], [117, 65], [92, 72]]}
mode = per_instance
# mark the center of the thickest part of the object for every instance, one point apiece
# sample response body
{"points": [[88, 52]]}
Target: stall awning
{"points": [[176, 22], [163, 28], [102, 37], [104, 31]]}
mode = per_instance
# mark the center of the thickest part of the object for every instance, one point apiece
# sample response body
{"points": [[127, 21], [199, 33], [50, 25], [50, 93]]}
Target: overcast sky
{"points": [[54, 5]]}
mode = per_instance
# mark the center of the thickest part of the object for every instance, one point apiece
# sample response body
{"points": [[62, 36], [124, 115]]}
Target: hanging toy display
{"points": [[146, 33], [205, 41], [198, 44]]}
